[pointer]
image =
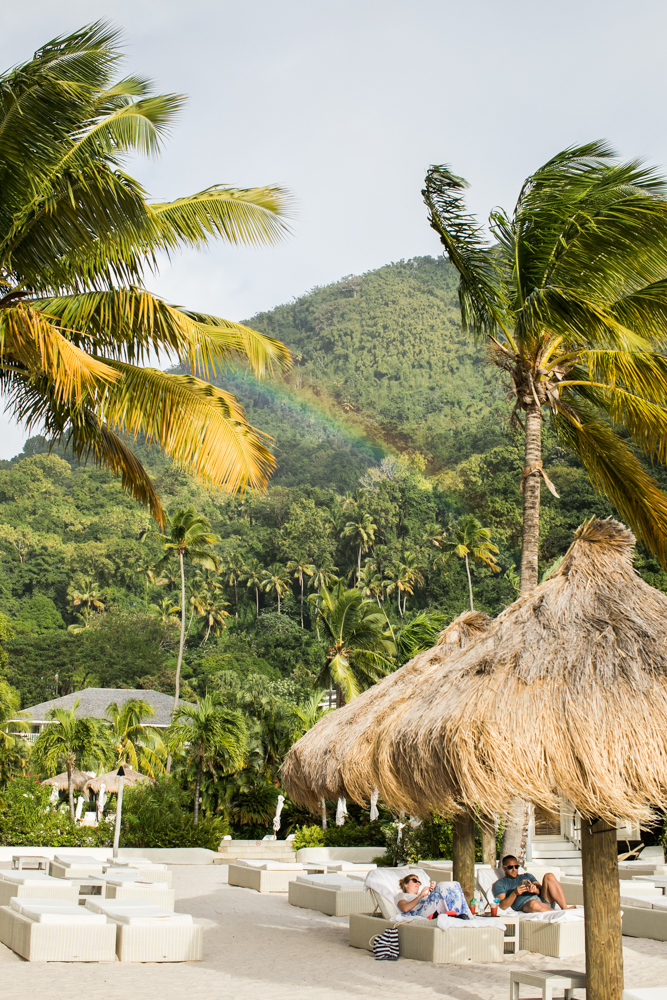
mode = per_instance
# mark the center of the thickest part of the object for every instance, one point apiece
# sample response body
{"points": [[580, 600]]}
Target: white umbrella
{"points": [[374, 804], [101, 799], [279, 809], [79, 808], [341, 811]]}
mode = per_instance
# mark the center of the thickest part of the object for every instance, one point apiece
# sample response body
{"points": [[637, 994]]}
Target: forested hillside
{"points": [[390, 419]]}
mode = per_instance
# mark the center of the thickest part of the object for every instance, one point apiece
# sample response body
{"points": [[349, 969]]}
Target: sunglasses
{"points": [[413, 880], [511, 868]]}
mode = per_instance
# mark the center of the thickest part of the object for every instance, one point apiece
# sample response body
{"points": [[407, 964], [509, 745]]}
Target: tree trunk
{"points": [[359, 566], [340, 697], [531, 500], [70, 790], [324, 814], [181, 644], [602, 908], [278, 593], [487, 833], [236, 598], [469, 582], [463, 854], [197, 789], [257, 601], [398, 591], [516, 830], [302, 601]]}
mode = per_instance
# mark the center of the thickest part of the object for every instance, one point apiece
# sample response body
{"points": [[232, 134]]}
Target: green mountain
{"points": [[381, 366]]}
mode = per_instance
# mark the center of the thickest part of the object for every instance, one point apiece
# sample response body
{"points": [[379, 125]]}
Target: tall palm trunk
{"points": [[469, 582], [70, 789], [340, 697], [257, 601], [181, 645], [531, 499], [236, 597], [302, 600], [359, 566], [278, 593], [200, 768]]}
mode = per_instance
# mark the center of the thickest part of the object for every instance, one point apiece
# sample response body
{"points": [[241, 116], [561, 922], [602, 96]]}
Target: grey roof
{"points": [[94, 702]]}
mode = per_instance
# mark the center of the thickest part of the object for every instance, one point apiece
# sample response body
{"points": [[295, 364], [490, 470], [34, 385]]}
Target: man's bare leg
{"points": [[552, 891], [535, 906]]}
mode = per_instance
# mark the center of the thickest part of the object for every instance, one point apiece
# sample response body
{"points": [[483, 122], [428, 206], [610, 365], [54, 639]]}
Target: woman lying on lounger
{"points": [[445, 897]]}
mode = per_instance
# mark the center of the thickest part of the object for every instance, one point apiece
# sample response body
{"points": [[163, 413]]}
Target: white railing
{"points": [[571, 823], [28, 737]]}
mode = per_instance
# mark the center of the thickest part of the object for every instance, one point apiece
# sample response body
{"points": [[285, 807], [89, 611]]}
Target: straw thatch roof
{"points": [[110, 780], [79, 780], [332, 758], [567, 690]]}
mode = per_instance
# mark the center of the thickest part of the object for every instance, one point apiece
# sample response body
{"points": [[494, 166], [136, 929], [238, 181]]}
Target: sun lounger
{"points": [[335, 895], [73, 866], [146, 871], [34, 885], [146, 892], [50, 930], [558, 934], [148, 933], [350, 866], [264, 876], [646, 993], [419, 938]]}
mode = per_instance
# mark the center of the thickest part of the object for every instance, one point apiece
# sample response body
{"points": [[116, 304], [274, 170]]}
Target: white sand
{"points": [[258, 947]]}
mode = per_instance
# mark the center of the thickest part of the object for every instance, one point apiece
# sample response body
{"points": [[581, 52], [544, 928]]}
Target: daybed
{"points": [[419, 938], [264, 876], [74, 866], [147, 933], [335, 895], [142, 867], [50, 930], [157, 893], [35, 885]]}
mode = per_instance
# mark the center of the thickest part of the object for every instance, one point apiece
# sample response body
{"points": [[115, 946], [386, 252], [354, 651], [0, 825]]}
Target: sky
{"points": [[346, 104]]}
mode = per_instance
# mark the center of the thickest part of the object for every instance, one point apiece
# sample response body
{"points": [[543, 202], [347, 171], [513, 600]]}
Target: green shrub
{"points": [[28, 819], [308, 836], [158, 814]]}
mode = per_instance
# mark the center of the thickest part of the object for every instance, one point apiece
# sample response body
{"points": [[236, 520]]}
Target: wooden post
{"points": [[119, 810], [463, 854], [487, 833], [602, 906]]}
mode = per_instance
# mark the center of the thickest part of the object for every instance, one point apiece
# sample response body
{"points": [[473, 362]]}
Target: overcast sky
{"points": [[347, 102]]}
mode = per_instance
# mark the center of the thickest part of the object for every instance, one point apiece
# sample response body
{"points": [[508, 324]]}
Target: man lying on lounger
{"points": [[524, 892]]}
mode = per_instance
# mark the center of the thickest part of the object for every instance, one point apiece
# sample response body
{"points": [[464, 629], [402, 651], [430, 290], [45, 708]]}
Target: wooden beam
{"points": [[463, 854], [602, 906]]}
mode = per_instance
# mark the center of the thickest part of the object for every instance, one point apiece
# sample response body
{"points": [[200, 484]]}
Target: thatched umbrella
{"points": [[79, 781], [110, 780], [565, 693], [334, 757]]}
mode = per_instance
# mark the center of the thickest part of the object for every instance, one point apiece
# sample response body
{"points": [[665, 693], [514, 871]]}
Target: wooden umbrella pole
{"points": [[487, 833], [602, 906], [463, 854]]}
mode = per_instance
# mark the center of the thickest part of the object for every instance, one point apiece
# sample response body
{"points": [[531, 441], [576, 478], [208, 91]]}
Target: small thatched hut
{"points": [[110, 780], [566, 692], [79, 781], [331, 760]]}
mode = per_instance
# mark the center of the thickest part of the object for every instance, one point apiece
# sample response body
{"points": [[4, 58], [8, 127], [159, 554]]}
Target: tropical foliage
{"points": [[77, 235]]}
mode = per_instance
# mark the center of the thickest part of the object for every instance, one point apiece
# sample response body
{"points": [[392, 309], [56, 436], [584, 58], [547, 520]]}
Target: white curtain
{"points": [[374, 804], [101, 800], [79, 808], [341, 811], [279, 809]]}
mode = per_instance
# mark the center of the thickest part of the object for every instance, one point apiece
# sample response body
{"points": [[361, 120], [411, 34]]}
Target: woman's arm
{"points": [[405, 906]]}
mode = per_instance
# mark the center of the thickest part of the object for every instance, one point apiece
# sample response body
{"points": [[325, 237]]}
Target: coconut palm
{"points": [[76, 741], [361, 646], [206, 733], [77, 235], [254, 575], [136, 744], [213, 614], [189, 539], [470, 541], [309, 712], [571, 297], [361, 531], [276, 581], [87, 596], [300, 568]]}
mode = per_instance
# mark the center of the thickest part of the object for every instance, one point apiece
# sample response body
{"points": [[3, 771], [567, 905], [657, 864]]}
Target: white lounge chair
{"points": [[141, 867], [418, 938], [51, 930], [147, 892], [148, 933], [336, 895], [264, 876], [74, 866], [35, 885]]}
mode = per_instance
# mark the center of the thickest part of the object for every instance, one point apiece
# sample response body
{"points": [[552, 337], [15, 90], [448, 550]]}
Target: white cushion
{"points": [[556, 916], [349, 866], [144, 883], [52, 911], [97, 904], [135, 863], [32, 878], [330, 882], [658, 902], [152, 919], [269, 866], [646, 902], [70, 860]]}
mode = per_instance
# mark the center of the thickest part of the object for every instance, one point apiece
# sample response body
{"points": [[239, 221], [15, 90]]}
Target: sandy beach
{"points": [[260, 946]]}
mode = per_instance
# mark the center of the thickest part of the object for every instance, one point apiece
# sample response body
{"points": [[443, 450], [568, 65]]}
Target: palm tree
{"points": [[234, 568], [189, 539], [208, 732], [471, 541], [276, 580], [77, 235], [166, 609], [136, 744], [309, 712], [361, 531], [571, 298], [13, 748], [77, 741], [361, 646], [87, 596], [419, 634], [214, 614], [300, 567], [254, 575]]}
